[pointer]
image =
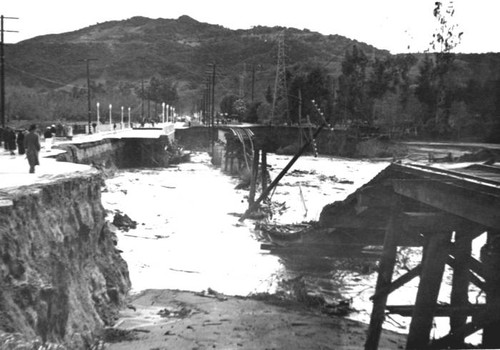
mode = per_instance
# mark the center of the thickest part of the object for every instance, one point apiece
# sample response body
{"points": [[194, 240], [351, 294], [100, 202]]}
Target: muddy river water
{"points": [[189, 238]]}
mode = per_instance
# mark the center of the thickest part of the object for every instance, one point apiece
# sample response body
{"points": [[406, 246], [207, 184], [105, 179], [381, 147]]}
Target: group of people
{"points": [[13, 141], [26, 143]]}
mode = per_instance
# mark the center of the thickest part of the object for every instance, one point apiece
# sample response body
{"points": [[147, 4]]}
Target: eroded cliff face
{"points": [[104, 153], [61, 276]]}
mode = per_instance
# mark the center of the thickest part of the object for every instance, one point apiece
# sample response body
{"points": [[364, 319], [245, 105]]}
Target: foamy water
{"points": [[189, 236]]}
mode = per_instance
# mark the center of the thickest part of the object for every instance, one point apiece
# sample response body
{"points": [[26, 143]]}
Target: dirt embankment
{"points": [[166, 319], [61, 277]]}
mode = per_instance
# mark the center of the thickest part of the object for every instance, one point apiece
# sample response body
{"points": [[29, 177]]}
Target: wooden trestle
{"points": [[447, 210]]}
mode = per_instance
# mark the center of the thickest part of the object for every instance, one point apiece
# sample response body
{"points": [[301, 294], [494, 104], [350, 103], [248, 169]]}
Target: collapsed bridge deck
{"points": [[442, 210]]}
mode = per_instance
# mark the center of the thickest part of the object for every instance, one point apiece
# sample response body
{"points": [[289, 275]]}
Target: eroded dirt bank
{"points": [[168, 319], [61, 276]]}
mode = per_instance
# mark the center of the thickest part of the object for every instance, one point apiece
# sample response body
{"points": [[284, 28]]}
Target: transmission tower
{"points": [[280, 111]]}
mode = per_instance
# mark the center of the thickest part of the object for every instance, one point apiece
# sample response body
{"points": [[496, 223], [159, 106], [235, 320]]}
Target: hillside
{"points": [[125, 53], [138, 48]]}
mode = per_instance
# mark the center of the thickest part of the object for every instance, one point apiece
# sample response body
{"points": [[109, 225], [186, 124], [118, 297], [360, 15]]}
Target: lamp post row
{"points": [[168, 113]]}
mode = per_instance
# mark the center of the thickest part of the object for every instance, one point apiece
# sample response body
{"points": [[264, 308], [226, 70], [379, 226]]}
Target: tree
{"points": [[252, 115], [227, 105], [438, 77], [269, 95], [159, 90], [240, 108], [162, 90], [426, 89], [307, 87], [352, 99]]}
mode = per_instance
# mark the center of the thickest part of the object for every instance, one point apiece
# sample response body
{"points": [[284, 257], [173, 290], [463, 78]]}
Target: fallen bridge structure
{"points": [[443, 211]]}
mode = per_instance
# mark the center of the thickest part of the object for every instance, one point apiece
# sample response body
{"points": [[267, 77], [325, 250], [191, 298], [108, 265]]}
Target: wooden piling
{"points": [[263, 170], [460, 286], [434, 258], [490, 256], [386, 269], [253, 177]]}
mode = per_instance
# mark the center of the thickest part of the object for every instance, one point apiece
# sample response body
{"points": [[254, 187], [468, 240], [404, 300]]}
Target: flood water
{"points": [[189, 237]]}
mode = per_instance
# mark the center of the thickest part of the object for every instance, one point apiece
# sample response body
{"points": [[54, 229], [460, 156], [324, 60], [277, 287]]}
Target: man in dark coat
{"points": [[32, 145], [20, 142], [10, 140]]}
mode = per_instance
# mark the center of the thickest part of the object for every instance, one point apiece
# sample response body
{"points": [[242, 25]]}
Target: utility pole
{"points": [[142, 100], [2, 68], [253, 80], [89, 108], [213, 94], [212, 111]]}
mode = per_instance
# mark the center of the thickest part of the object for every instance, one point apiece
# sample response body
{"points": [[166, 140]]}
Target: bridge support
{"points": [[449, 213]]}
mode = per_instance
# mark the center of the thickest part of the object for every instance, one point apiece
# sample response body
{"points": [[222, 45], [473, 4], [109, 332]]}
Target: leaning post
{"points": [[384, 278], [433, 261]]}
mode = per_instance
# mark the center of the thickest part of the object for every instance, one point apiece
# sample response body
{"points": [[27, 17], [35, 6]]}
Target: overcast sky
{"points": [[386, 24]]}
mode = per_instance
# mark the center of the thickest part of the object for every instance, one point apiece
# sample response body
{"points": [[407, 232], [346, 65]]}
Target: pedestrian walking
{"points": [[10, 141], [20, 142], [32, 145]]}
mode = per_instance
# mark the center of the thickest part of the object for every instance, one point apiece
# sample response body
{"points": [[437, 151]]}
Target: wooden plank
{"points": [[384, 278], [439, 310], [476, 266], [488, 316], [485, 168], [472, 277], [398, 283], [433, 261], [479, 207], [468, 180], [426, 222], [322, 250]]}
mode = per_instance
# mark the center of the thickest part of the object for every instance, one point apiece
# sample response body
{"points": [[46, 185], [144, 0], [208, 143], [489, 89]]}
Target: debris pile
{"points": [[124, 222]]}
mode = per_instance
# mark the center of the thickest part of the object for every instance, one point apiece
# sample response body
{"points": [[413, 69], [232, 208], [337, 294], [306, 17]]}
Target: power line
{"points": [[45, 79]]}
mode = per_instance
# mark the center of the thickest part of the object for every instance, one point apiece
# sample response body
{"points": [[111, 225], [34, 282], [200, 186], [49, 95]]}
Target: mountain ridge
{"points": [[127, 52]]}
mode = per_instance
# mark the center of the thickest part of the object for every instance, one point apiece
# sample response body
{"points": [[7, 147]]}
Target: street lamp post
{"points": [[129, 125], [121, 122], [97, 115], [163, 112], [110, 118]]}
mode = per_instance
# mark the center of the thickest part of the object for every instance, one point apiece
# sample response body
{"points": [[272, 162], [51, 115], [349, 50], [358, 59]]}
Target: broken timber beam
{"points": [[280, 176], [471, 276], [401, 281], [479, 207], [440, 310]]}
